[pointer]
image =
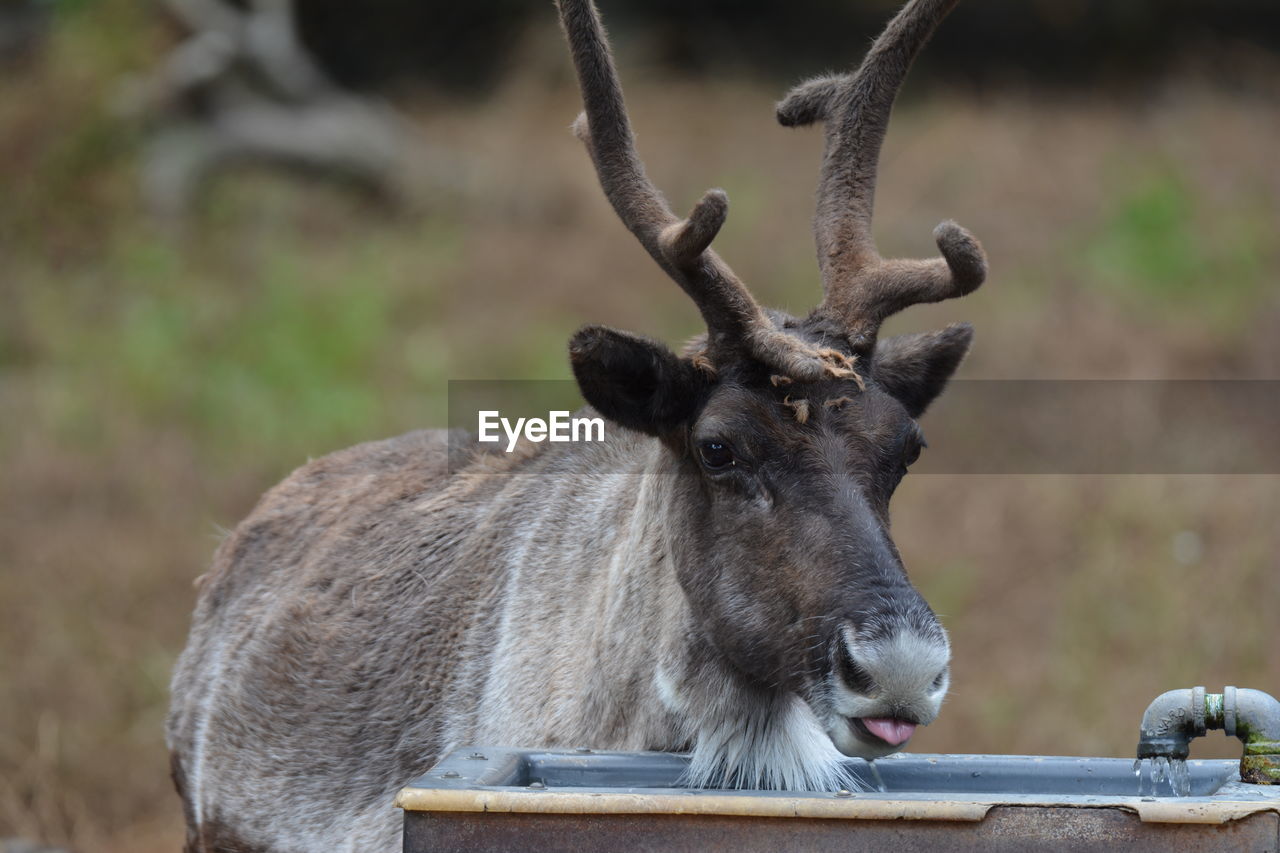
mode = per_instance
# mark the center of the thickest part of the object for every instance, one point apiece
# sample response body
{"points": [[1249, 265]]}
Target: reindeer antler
{"points": [[735, 322], [862, 289]]}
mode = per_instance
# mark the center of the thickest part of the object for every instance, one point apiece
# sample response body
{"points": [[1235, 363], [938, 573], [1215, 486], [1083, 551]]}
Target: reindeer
{"points": [[716, 576]]}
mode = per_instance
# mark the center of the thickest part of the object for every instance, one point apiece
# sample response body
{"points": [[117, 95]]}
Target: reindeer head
{"points": [[790, 435]]}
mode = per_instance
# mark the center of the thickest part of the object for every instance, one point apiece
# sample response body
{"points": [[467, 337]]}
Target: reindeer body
{"points": [[716, 575], [374, 611], [360, 604]]}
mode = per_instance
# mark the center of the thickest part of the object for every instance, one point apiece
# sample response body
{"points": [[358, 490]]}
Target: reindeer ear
{"points": [[915, 368], [634, 381]]}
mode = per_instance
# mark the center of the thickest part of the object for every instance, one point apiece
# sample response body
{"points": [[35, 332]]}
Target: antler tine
{"points": [[680, 246], [862, 290]]}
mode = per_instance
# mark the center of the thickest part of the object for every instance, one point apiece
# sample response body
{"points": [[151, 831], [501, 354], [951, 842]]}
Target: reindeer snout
{"points": [[884, 685]]}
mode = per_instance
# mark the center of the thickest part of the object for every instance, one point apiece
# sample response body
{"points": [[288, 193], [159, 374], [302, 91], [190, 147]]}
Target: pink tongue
{"points": [[892, 732]]}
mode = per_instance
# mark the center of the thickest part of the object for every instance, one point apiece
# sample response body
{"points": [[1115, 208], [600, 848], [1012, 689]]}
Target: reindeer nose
{"points": [[895, 675]]}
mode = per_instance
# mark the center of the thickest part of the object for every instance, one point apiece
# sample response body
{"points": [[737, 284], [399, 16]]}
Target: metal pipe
{"points": [[1177, 717], [1254, 717]]}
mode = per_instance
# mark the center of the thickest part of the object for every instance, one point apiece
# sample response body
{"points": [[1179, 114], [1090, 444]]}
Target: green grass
{"points": [[1157, 250], [301, 353]]}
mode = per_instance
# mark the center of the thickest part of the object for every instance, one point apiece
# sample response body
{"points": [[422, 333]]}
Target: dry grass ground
{"points": [[152, 383]]}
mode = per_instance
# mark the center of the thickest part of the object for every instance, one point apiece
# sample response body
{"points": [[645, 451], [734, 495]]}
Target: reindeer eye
{"points": [[716, 455]]}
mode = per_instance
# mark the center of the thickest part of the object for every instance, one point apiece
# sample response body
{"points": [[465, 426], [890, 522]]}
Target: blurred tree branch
{"points": [[242, 88]]}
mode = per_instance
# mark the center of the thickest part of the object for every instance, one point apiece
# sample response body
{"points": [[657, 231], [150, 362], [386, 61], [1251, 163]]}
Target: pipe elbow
{"points": [[1254, 716], [1171, 722]]}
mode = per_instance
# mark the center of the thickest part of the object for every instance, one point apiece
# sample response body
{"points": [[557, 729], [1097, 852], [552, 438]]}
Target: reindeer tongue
{"points": [[892, 732]]}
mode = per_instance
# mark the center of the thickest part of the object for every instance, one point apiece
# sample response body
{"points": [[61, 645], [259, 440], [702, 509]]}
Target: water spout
{"points": [[1177, 717]]}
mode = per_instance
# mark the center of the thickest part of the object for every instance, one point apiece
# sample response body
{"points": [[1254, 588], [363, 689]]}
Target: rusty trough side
{"points": [[1005, 828], [500, 799]]}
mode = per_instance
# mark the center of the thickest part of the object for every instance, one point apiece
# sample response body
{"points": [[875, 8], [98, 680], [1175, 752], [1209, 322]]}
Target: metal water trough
{"points": [[488, 799]]}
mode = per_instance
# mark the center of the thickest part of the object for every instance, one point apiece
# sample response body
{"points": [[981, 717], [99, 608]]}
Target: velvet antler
{"points": [[861, 288]]}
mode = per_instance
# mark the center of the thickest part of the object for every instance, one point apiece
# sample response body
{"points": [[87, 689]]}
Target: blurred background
{"points": [[233, 237]]}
